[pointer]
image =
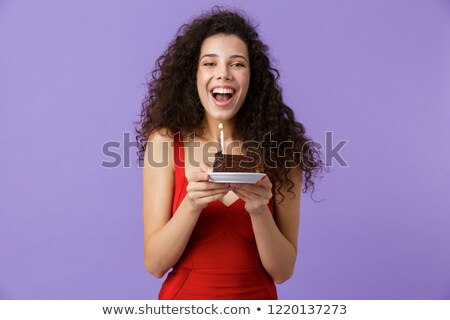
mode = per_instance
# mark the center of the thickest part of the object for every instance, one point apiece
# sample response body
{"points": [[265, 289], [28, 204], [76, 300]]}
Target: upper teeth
{"points": [[223, 90]]}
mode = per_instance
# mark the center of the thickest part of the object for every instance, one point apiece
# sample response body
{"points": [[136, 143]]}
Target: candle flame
{"points": [[220, 126]]}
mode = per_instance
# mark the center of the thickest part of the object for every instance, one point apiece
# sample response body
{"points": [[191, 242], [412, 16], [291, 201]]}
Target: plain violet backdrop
{"points": [[374, 73]]}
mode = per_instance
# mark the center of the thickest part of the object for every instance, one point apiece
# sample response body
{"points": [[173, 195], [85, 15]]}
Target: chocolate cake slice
{"points": [[235, 163]]}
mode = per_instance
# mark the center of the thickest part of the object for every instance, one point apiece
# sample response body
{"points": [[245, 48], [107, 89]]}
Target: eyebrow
{"points": [[216, 56]]}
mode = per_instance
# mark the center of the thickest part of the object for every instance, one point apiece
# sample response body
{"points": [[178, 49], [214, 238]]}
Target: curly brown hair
{"points": [[172, 100]]}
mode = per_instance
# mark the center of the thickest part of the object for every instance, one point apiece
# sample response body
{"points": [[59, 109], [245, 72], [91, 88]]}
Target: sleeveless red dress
{"points": [[221, 260]]}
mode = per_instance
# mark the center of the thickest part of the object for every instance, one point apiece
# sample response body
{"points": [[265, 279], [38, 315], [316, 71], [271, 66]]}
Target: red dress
{"points": [[221, 260]]}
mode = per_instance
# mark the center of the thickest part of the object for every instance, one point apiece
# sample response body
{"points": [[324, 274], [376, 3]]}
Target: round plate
{"points": [[235, 177]]}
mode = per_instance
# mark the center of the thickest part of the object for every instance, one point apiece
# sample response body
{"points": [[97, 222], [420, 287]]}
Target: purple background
{"points": [[375, 73]]}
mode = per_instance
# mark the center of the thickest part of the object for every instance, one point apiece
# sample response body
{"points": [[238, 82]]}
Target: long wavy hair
{"points": [[172, 100]]}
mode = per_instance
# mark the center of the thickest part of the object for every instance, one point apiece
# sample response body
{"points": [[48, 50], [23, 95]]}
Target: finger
{"points": [[241, 195], [261, 188], [205, 185], [204, 194], [260, 194], [211, 198], [247, 194], [198, 176], [247, 187], [265, 181]]}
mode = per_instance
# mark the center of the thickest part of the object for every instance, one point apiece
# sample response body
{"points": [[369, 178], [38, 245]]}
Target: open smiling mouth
{"points": [[222, 96]]}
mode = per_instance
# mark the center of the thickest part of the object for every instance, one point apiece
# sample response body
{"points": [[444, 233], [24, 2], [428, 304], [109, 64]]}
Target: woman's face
{"points": [[223, 76]]}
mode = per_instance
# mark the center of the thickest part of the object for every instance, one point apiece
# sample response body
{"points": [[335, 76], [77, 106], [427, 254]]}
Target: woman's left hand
{"points": [[256, 196]]}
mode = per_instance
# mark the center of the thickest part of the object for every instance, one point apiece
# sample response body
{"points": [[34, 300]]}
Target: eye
{"points": [[208, 64], [238, 65]]}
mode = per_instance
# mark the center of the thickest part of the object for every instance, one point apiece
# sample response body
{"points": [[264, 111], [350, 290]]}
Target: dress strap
{"points": [[178, 151], [180, 177]]}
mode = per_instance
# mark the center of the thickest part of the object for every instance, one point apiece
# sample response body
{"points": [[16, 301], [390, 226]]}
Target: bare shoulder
{"points": [[161, 134], [159, 149]]}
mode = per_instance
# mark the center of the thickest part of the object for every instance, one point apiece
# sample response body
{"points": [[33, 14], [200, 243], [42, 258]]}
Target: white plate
{"points": [[235, 177]]}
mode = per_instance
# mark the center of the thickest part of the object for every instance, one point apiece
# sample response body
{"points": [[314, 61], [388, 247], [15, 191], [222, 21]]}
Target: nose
{"points": [[224, 74]]}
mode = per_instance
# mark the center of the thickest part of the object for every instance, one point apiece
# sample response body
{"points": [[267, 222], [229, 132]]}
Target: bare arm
{"points": [[276, 237], [166, 237]]}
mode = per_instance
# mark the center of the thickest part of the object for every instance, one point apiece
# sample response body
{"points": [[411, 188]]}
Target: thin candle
{"points": [[222, 143]]}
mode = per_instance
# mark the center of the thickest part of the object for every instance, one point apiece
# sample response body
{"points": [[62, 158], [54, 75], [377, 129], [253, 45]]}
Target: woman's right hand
{"points": [[201, 191]]}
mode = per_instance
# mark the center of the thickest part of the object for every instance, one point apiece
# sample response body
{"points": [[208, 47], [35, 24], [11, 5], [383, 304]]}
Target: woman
{"points": [[222, 241]]}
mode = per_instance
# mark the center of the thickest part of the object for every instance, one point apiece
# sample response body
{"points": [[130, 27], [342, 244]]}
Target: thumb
{"points": [[205, 168], [264, 181]]}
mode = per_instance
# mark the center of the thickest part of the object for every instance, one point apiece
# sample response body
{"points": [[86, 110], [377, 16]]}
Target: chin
{"points": [[223, 116]]}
